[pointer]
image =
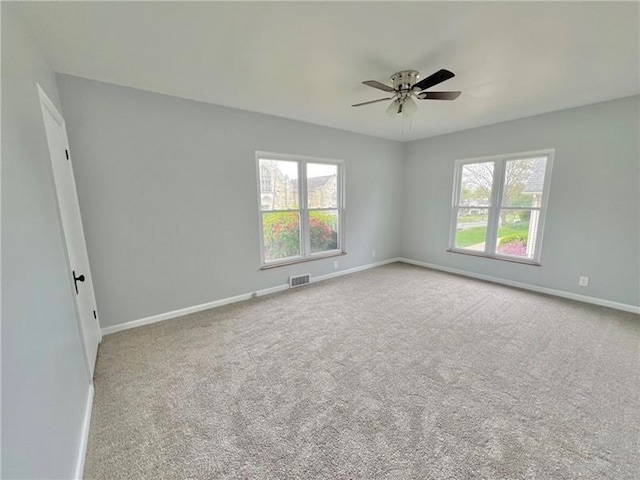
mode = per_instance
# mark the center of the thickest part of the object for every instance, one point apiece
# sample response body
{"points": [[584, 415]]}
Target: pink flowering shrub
{"points": [[282, 233], [517, 248], [515, 244]]}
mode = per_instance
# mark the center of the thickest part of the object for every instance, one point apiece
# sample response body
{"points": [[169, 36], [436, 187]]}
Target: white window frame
{"points": [[495, 206], [305, 244]]}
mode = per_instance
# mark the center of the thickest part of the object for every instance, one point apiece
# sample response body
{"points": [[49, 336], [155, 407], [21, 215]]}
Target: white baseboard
{"points": [[246, 296], [354, 270], [238, 298], [526, 286], [186, 311], [84, 439]]}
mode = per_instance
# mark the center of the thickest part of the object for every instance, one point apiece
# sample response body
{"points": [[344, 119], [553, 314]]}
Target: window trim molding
{"points": [[496, 200], [306, 254]]}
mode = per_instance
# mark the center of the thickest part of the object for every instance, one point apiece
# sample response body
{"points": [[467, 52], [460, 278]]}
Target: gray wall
{"points": [[168, 197], [593, 219], [44, 379]]}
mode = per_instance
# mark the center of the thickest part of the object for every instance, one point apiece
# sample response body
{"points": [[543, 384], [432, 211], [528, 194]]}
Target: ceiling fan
{"points": [[406, 87]]}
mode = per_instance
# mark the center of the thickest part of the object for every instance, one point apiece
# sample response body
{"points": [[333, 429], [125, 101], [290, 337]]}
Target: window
{"points": [[499, 206], [301, 208]]}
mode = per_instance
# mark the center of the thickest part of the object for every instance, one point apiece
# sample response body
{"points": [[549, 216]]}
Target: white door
{"points": [[79, 272]]}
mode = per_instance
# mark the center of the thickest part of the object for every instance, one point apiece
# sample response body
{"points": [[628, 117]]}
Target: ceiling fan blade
{"points": [[438, 95], [438, 77], [378, 85], [372, 101]]}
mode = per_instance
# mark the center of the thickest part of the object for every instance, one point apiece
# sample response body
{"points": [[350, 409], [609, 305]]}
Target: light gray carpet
{"points": [[398, 372]]}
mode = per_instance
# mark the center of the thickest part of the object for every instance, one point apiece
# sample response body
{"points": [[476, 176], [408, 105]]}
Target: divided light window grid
{"points": [[500, 205], [301, 208]]}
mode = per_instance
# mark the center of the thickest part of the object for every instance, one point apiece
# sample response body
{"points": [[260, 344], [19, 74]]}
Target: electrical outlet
{"points": [[373, 253], [335, 264], [583, 281]]}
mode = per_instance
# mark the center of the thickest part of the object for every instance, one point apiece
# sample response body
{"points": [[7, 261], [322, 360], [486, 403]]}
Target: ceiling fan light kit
{"points": [[394, 108], [407, 87]]}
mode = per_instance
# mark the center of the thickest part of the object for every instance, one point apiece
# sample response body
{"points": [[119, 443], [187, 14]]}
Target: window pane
{"points": [[322, 185], [278, 185], [517, 232], [471, 228], [281, 232], [323, 229], [524, 179], [476, 184]]}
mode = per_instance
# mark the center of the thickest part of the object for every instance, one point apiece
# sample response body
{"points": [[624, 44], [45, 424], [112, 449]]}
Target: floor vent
{"points": [[299, 280]]}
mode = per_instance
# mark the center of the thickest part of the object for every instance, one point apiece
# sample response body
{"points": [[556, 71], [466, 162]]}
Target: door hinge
{"points": [[66, 152]]}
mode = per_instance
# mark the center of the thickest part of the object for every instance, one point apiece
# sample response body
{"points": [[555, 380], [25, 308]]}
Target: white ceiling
{"points": [[306, 60]]}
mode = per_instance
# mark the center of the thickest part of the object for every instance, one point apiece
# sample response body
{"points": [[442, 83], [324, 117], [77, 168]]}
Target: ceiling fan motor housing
{"points": [[404, 80]]}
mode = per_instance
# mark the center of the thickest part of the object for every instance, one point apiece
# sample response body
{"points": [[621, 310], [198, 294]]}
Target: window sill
{"points": [[496, 257], [302, 260]]}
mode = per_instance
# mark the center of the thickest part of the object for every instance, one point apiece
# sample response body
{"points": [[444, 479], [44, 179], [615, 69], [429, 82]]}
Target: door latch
{"points": [[77, 279]]}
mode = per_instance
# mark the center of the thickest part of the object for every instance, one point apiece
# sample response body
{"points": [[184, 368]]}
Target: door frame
{"points": [[46, 103]]}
